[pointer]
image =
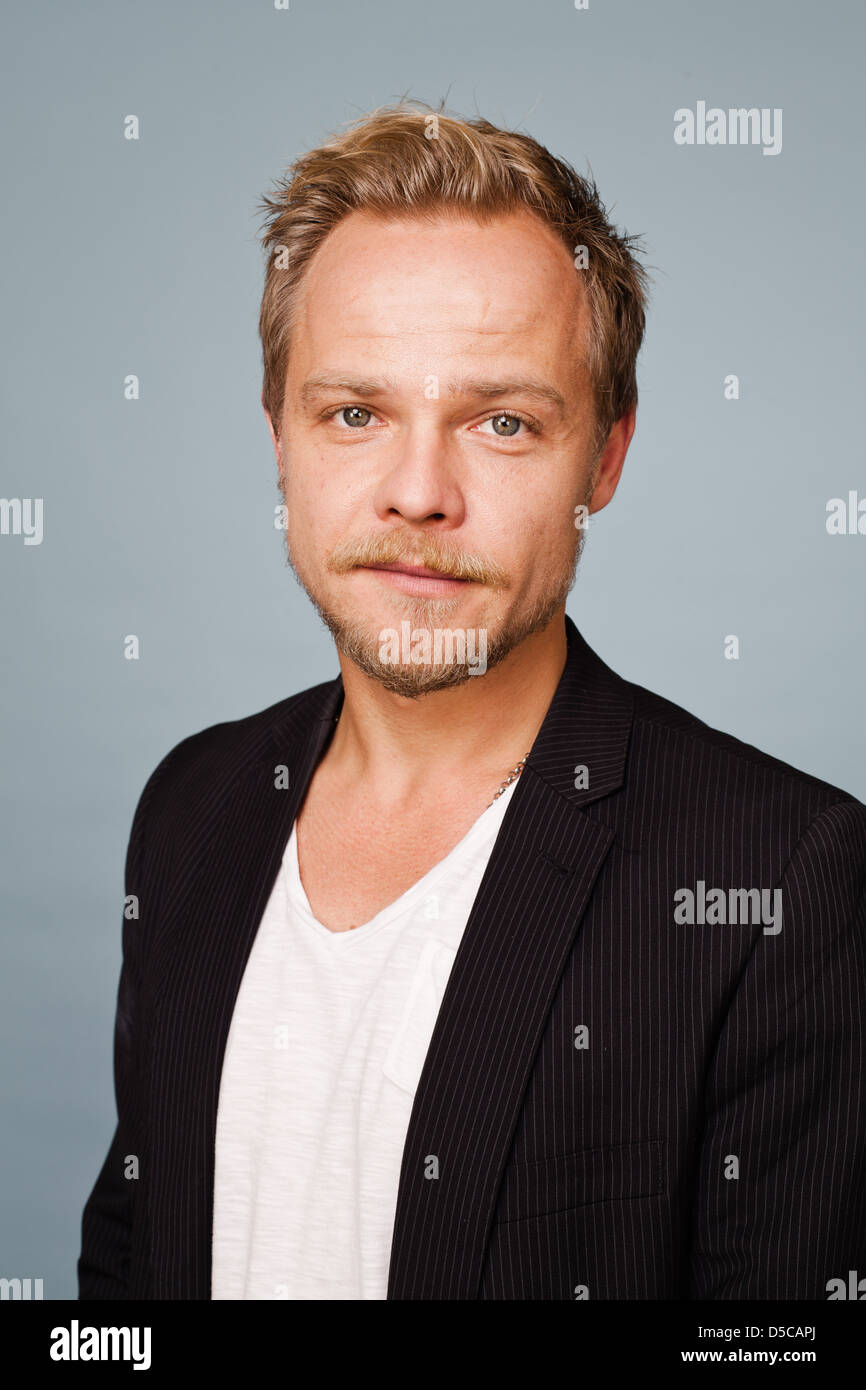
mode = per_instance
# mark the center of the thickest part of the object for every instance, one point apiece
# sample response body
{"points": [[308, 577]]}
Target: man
{"points": [[477, 972]]}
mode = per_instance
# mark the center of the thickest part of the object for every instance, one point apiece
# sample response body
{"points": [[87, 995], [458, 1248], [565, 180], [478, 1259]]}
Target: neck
{"points": [[473, 734]]}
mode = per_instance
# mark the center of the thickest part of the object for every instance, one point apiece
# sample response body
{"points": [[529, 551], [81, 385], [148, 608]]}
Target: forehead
{"points": [[411, 290]]}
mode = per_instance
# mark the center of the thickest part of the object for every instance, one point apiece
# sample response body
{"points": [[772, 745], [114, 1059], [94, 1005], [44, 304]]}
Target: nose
{"points": [[420, 482]]}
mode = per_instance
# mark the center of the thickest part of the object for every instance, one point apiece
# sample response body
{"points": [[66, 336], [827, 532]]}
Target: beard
{"points": [[362, 640]]}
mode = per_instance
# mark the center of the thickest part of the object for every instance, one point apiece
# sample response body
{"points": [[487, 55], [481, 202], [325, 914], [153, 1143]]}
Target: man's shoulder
{"points": [[715, 775], [205, 763]]}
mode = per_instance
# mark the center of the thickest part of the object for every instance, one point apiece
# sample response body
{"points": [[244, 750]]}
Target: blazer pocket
{"points": [[407, 1052], [615, 1173]]}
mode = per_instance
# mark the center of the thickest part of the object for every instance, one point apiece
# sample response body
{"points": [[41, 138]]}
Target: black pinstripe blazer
{"points": [[623, 1105]]}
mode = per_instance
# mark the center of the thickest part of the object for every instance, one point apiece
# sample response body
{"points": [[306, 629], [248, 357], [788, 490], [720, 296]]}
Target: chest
{"points": [[355, 860]]}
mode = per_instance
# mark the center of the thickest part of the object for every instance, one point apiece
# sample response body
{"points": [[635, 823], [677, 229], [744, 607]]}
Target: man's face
{"points": [[437, 413]]}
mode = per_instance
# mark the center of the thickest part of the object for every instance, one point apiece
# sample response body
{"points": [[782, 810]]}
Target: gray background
{"points": [[142, 257]]}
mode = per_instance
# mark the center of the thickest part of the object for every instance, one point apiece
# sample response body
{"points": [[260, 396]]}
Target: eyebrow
{"points": [[480, 388]]}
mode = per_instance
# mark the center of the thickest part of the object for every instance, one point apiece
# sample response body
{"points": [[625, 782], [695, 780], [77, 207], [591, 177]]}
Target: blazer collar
{"points": [[588, 725]]}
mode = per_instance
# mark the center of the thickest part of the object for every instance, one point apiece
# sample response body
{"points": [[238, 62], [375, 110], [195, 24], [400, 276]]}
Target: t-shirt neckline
{"points": [[492, 815]]}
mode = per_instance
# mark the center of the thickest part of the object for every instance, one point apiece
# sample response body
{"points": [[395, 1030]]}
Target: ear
{"points": [[275, 438], [609, 465]]}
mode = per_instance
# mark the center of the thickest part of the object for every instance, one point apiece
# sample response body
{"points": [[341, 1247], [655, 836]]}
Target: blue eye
{"points": [[504, 419], [509, 417]]}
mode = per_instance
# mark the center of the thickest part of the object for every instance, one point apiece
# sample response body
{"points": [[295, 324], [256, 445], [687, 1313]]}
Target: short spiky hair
{"points": [[411, 160]]}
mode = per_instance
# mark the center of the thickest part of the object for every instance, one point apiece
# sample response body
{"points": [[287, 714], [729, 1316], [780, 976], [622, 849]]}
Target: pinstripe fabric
{"points": [[595, 1069]]}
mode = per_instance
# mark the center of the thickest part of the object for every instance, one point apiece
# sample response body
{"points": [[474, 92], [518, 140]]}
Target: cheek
{"points": [[548, 530], [320, 515], [307, 497], [304, 512], [316, 485], [548, 544]]}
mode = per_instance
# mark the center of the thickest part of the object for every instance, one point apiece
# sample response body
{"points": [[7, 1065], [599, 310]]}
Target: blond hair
{"points": [[409, 160]]}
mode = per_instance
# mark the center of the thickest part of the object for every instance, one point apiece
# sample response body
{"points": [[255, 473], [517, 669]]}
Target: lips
{"points": [[417, 572]]}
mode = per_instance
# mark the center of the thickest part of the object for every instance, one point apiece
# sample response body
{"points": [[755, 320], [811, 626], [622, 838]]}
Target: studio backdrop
{"points": [[145, 588]]}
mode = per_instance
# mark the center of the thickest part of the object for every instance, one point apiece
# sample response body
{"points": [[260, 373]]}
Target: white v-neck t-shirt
{"points": [[327, 1042]]}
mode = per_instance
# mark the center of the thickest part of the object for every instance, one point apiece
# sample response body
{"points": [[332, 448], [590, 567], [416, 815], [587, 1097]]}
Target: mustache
{"points": [[395, 548]]}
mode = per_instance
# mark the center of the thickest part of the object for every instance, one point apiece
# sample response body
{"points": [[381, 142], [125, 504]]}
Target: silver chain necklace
{"points": [[513, 774]]}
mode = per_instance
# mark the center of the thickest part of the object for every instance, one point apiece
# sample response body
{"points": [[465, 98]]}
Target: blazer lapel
{"points": [[517, 939]]}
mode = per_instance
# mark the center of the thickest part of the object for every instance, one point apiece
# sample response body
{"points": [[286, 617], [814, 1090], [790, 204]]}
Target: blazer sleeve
{"points": [[780, 1198], [109, 1213]]}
